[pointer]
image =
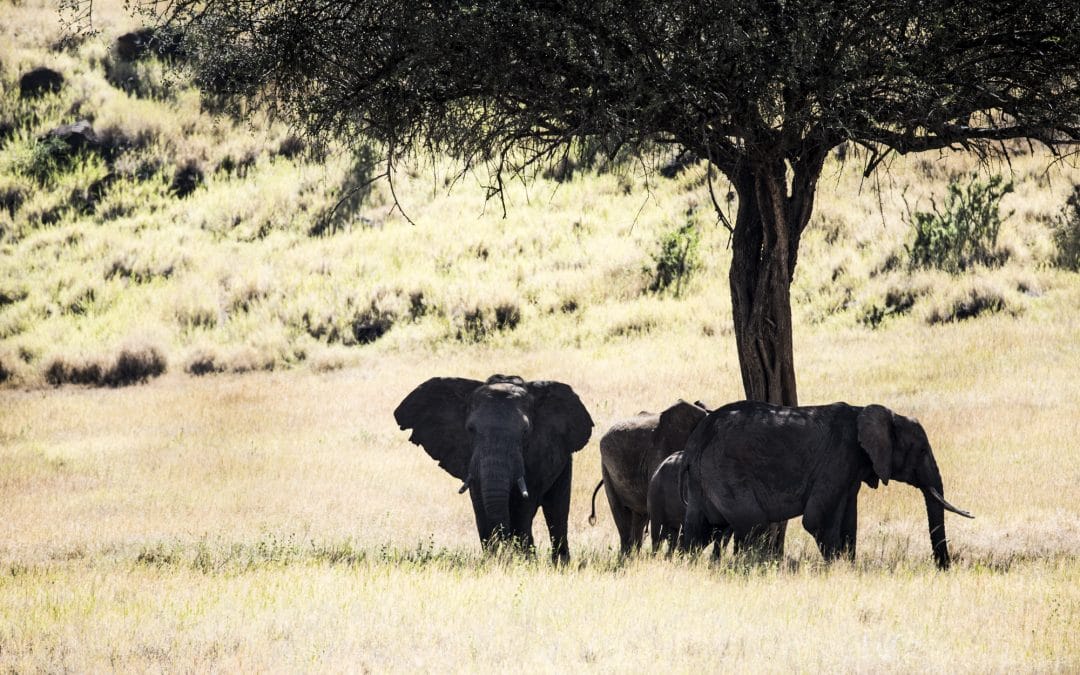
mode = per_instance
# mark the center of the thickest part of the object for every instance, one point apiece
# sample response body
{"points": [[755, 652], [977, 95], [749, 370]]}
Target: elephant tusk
{"points": [[521, 486], [937, 495], [463, 488]]}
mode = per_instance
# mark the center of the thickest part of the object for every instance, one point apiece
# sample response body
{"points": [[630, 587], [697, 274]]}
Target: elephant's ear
{"points": [[875, 426], [676, 424], [559, 418], [436, 412]]}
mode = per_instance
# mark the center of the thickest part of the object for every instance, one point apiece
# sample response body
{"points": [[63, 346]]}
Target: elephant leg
{"points": [[835, 531], [764, 541], [556, 505], [622, 516], [850, 526], [483, 528], [638, 521], [696, 528], [720, 536], [656, 531], [521, 518]]}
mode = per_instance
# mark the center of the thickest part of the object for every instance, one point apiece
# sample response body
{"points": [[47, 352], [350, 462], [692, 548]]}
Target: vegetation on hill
{"points": [[185, 242]]}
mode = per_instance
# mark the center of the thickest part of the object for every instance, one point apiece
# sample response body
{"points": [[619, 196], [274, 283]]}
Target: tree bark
{"points": [[768, 227]]}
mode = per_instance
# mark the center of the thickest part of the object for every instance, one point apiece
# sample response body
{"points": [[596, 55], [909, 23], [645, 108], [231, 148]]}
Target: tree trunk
{"points": [[765, 244]]}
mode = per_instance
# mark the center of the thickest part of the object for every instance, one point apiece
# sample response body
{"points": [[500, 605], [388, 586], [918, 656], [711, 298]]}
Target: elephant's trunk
{"points": [[496, 501], [930, 482], [496, 480]]}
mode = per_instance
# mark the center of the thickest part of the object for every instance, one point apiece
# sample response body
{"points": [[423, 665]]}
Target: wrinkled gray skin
{"points": [[752, 463], [667, 509], [630, 452], [510, 442]]}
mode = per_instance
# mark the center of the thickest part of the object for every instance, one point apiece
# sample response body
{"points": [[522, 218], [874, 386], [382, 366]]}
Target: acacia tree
{"points": [[760, 89]]}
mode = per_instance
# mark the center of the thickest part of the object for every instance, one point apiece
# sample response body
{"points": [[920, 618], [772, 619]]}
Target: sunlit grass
{"points": [[278, 520]]}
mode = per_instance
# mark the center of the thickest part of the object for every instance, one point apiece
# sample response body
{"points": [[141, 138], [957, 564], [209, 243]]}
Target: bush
{"points": [[978, 299], [677, 259], [477, 322], [1066, 232], [964, 232], [899, 300], [132, 364]]}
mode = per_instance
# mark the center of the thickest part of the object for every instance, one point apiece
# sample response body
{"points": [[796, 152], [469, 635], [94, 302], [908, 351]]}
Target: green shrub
{"points": [[677, 260], [48, 157], [964, 231], [1066, 233]]}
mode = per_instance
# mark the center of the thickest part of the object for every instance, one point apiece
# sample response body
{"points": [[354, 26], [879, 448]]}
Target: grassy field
{"points": [[269, 515]]}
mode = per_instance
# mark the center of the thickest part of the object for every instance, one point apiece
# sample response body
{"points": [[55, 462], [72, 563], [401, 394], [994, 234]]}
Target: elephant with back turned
{"points": [[751, 463], [630, 453], [511, 444]]}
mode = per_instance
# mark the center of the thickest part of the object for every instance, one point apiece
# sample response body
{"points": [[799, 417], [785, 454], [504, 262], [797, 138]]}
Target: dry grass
{"points": [[280, 521]]}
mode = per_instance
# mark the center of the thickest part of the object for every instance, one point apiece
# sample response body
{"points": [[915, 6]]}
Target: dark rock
{"points": [[40, 81], [149, 41], [77, 136], [187, 178]]}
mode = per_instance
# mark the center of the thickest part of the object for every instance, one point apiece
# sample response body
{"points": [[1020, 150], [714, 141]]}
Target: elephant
{"points": [[630, 452], [511, 443], [750, 463], [667, 508]]}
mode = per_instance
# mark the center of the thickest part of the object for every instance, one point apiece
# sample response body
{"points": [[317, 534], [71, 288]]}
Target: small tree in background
{"points": [[964, 231], [676, 260]]}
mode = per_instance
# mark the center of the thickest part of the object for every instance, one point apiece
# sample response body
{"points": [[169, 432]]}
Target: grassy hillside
{"points": [[278, 520], [255, 270]]}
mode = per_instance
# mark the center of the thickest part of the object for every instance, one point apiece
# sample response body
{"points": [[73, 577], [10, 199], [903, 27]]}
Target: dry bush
{"points": [[477, 322], [7, 366], [973, 299], [203, 360], [131, 364]]}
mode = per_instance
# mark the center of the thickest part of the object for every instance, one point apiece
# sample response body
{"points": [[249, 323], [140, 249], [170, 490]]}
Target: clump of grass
{"points": [[201, 361], [480, 321], [969, 301], [899, 300], [372, 323], [131, 364], [7, 366]]}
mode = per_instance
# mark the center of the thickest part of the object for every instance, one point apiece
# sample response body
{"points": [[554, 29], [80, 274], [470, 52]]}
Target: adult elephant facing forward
{"points": [[511, 443]]}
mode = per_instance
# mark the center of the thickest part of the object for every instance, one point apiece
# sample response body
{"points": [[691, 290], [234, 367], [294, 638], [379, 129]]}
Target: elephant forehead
{"points": [[501, 391]]}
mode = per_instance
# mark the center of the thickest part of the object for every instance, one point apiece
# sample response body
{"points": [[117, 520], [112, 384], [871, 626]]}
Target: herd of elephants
{"points": [[695, 476]]}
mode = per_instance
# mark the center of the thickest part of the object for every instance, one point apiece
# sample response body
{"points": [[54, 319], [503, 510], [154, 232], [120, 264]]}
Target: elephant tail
{"points": [[592, 515]]}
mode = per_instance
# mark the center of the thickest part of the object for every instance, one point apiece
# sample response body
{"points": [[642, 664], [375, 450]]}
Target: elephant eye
{"points": [[470, 427]]}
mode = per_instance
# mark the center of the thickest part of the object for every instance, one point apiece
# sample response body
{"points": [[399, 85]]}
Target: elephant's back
{"points": [[625, 452]]}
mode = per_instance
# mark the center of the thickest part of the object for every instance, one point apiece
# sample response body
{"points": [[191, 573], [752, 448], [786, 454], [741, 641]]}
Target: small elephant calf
{"points": [[667, 510]]}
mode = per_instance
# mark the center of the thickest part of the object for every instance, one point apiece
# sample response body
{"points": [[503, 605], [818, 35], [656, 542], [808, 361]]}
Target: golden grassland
{"points": [[278, 520], [281, 521]]}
